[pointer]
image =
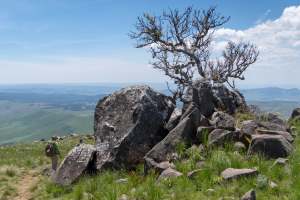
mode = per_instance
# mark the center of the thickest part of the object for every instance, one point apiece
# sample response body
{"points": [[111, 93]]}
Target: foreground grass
{"points": [[207, 184]]}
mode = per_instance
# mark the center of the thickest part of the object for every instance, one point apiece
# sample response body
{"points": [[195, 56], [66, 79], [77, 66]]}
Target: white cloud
{"points": [[279, 44]]}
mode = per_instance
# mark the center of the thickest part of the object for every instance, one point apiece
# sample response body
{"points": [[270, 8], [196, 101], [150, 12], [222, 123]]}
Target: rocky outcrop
{"points": [[128, 124], [210, 98], [272, 146], [184, 132], [79, 160]]}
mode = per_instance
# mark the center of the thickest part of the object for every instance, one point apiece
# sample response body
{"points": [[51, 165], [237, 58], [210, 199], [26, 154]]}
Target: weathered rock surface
{"points": [[285, 134], [169, 173], [249, 127], [227, 100], [231, 173], [78, 161], [295, 114], [223, 120], [273, 146], [201, 95], [220, 137], [213, 98], [128, 124], [250, 195], [185, 132], [174, 119]]}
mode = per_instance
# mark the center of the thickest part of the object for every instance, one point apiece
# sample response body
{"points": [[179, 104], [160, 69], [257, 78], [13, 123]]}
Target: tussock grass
{"points": [[206, 184]]}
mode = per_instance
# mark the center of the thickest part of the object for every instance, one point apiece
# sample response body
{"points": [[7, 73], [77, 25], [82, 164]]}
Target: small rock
{"points": [[250, 195], [123, 197], [200, 164], [280, 161], [193, 173], [273, 185], [169, 173], [231, 173], [219, 137], [239, 146], [122, 180], [210, 190]]}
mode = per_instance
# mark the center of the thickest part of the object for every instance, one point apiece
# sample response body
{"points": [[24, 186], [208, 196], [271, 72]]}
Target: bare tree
{"points": [[180, 46]]}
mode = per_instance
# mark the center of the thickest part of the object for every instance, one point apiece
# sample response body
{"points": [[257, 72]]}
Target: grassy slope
{"points": [[25, 157], [25, 122]]}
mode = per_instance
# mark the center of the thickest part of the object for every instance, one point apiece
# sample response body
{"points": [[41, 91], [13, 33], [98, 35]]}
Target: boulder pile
{"points": [[139, 125]]}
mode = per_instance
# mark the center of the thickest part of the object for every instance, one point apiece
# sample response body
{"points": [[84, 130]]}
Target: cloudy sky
{"points": [[79, 41]]}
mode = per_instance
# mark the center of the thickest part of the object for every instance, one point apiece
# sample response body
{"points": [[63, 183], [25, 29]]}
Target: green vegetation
{"points": [[28, 122], [206, 184]]}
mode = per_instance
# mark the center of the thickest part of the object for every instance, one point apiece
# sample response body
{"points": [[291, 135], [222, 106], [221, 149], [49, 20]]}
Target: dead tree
{"points": [[180, 43]]}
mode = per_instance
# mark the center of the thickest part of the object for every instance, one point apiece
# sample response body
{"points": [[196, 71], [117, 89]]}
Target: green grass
{"points": [[207, 184], [26, 122]]}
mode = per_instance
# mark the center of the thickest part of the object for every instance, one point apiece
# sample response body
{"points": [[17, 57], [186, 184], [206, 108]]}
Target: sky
{"points": [[86, 41]]}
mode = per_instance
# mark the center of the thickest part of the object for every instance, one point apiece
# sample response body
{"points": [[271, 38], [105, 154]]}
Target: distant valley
{"points": [[34, 112]]}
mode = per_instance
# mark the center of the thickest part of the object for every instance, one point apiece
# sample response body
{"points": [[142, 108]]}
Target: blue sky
{"points": [[62, 41]]}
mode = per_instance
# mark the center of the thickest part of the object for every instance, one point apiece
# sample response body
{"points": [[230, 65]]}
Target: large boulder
{"points": [[285, 134], [128, 123], [184, 132], [79, 160], [249, 127], [271, 146]]}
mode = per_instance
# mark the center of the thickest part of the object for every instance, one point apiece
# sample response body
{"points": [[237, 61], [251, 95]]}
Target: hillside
{"points": [[27, 161]]}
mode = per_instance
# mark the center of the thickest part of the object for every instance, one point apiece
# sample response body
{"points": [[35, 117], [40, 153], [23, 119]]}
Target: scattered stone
{"points": [[210, 190], [239, 146], [250, 195], [160, 167], [193, 173], [223, 120], [73, 134], [272, 146], [122, 180], [273, 185], [128, 123], [169, 173], [285, 134], [231, 173], [124, 197], [78, 161], [280, 161]]}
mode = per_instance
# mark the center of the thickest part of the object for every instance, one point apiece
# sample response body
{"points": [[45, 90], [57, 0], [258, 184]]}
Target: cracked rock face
{"points": [[128, 123], [78, 161]]}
